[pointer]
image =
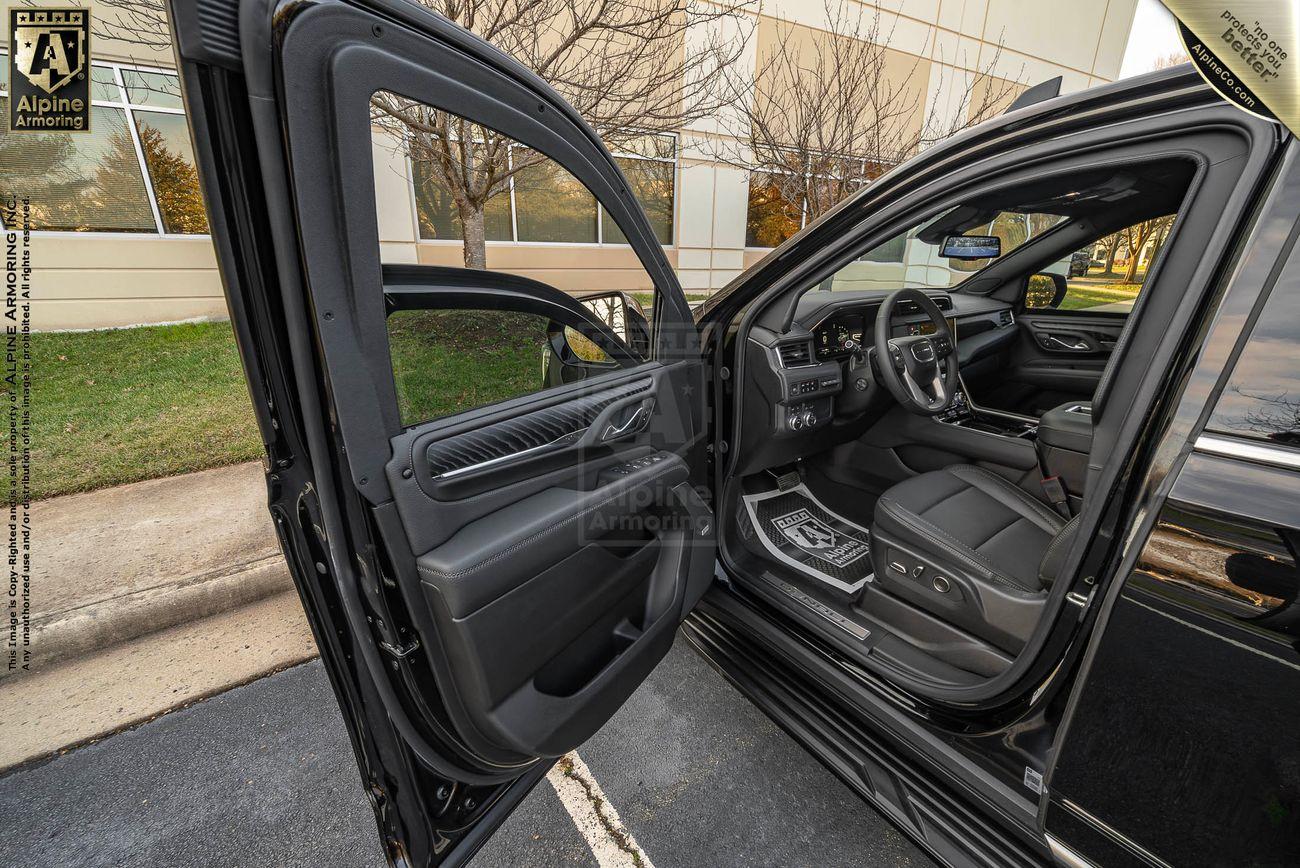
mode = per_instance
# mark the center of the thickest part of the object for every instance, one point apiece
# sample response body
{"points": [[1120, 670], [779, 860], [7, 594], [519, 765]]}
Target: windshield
{"points": [[907, 261]]}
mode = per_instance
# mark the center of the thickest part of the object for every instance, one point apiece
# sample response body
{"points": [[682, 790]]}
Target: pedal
{"points": [[788, 480]]}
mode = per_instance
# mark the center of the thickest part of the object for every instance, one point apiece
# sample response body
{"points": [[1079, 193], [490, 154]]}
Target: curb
{"points": [[90, 628]]}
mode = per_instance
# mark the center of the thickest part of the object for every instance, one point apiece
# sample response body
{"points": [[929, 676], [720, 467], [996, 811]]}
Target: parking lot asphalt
{"points": [[264, 775]]}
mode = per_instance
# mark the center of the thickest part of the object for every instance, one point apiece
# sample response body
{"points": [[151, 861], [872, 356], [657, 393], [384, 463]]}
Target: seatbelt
{"points": [[1055, 493]]}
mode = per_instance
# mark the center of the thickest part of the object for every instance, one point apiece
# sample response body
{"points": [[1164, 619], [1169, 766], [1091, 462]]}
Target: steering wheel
{"points": [[919, 370]]}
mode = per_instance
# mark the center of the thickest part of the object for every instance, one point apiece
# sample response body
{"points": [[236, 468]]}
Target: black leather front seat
{"points": [[971, 547]]}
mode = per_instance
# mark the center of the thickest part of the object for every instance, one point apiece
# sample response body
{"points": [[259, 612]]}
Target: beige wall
{"points": [[906, 75], [101, 280], [98, 280], [603, 267]]}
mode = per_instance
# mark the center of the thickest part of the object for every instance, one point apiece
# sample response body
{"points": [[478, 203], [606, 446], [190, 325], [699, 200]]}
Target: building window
{"points": [[134, 172], [436, 210], [169, 157], [542, 203]]}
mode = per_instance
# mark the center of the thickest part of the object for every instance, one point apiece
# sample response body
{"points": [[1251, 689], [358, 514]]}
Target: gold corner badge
{"points": [[49, 70], [1247, 51]]}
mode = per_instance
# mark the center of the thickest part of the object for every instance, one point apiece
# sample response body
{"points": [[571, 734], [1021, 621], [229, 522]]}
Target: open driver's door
{"points": [[490, 583]]}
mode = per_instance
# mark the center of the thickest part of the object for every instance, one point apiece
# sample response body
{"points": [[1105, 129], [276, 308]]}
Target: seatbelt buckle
{"points": [[1055, 493]]}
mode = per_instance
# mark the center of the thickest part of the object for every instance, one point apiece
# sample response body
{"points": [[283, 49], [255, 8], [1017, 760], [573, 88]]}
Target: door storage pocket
{"points": [[512, 639]]}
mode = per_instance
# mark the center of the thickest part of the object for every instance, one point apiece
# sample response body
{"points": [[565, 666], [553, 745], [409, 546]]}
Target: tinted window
{"points": [[1262, 398], [448, 361]]}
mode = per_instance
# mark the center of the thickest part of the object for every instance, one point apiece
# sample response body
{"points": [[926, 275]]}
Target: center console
{"points": [[964, 414]]}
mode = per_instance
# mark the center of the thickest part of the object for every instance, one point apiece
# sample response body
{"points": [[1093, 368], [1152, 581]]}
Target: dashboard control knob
{"points": [[795, 422], [809, 419]]}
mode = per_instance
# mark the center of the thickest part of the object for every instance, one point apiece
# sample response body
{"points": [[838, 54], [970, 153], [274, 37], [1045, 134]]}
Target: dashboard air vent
{"points": [[942, 302], [795, 355], [1006, 317]]}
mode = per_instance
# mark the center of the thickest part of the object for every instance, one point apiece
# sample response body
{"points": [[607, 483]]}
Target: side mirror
{"points": [[572, 355], [968, 247], [1044, 290], [623, 314]]}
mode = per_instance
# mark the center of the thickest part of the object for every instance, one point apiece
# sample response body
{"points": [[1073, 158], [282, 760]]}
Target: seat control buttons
{"points": [[918, 570], [941, 584], [897, 567]]}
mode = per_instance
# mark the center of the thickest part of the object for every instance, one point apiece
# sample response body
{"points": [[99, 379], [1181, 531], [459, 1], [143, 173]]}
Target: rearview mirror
{"points": [[971, 247], [1044, 290]]}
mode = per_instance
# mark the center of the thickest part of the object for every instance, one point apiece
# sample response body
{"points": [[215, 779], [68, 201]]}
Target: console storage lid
{"points": [[1068, 426]]}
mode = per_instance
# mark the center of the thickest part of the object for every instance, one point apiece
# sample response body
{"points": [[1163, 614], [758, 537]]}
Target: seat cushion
{"points": [[974, 518]]}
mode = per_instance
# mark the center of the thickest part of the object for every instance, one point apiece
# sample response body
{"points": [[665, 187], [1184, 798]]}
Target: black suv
{"points": [[1014, 555]]}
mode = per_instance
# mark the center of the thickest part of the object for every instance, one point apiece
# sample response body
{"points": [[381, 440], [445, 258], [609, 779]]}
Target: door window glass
{"points": [[552, 204], [1105, 276], [652, 184], [453, 193]]}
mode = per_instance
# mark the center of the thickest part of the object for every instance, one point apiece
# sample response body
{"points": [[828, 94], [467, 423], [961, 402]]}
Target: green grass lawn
{"points": [[119, 406], [446, 361], [1085, 296]]}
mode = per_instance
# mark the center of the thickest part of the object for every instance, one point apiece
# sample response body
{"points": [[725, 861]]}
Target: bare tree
{"points": [[1111, 243], [827, 111], [1276, 416], [624, 65], [1136, 238], [134, 22], [1174, 58]]}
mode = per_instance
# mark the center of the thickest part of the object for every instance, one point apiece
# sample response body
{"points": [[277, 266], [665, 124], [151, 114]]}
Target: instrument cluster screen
{"points": [[831, 337]]}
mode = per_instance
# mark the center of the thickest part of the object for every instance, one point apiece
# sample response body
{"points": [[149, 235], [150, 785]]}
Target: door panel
{"points": [[490, 572], [557, 547], [1056, 358]]}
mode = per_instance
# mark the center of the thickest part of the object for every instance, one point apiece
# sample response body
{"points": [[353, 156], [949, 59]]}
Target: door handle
{"points": [[1077, 345], [634, 422]]}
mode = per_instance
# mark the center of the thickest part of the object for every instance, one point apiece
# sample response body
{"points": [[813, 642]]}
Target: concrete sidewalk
{"points": [[146, 598], [123, 562]]}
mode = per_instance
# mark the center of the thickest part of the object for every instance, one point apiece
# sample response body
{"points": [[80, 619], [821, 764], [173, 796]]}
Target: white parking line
{"points": [[611, 843]]}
